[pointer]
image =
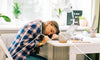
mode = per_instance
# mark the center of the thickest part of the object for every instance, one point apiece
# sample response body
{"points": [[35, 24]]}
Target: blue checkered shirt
{"points": [[27, 34]]}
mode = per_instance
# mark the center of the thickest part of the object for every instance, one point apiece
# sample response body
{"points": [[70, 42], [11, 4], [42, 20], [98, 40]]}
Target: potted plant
{"points": [[6, 18], [61, 16], [60, 12], [16, 10]]}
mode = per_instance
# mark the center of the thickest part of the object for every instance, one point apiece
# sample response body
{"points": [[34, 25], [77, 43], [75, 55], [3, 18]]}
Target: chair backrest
{"points": [[8, 38], [5, 41], [5, 51]]}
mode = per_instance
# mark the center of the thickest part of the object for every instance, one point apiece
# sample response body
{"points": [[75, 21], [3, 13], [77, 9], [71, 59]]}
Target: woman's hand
{"points": [[54, 36]]}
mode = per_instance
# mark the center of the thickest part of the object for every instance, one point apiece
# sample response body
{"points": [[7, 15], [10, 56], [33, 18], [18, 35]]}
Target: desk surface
{"points": [[86, 41], [72, 49]]}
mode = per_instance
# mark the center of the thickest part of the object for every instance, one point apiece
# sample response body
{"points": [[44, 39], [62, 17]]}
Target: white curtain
{"points": [[96, 14]]}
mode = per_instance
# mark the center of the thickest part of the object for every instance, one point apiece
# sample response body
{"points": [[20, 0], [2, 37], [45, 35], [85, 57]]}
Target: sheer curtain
{"points": [[6, 9], [96, 21], [3, 6], [98, 30]]}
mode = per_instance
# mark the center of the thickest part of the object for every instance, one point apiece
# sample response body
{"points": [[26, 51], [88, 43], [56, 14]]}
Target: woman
{"points": [[31, 37]]}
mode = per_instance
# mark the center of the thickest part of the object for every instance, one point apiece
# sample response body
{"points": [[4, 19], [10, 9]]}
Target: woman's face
{"points": [[49, 30]]}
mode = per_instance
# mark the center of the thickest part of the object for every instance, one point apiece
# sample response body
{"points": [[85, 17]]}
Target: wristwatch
{"points": [[40, 44]]}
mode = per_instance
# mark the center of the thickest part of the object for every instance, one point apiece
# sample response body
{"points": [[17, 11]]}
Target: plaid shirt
{"points": [[27, 34]]}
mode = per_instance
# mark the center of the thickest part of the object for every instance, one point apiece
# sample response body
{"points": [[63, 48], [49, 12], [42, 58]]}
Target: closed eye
{"points": [[52, 31]]}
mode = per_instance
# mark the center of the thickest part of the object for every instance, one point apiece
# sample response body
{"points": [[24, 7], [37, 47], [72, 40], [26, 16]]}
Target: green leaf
{"points": [[59, 11], [0, 13], [16, 5], [16, 10], [6, 18], [86, 30], [80, 17]]}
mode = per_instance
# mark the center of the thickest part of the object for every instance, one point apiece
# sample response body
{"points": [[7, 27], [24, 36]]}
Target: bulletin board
{"points": [[76, 14]]}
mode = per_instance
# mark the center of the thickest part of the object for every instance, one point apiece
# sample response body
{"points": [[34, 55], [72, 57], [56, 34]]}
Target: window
{"points": [[45, 9]]}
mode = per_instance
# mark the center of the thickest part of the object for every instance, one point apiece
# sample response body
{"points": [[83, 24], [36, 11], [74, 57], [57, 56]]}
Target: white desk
{"points": [[69, 51]]}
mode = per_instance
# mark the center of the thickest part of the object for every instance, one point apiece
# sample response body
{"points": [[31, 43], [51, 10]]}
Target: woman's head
{"points": [[51, 27]]}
